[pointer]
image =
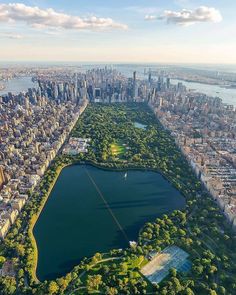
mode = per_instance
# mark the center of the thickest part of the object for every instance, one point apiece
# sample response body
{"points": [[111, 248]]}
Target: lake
{"points": [[87, 209]]}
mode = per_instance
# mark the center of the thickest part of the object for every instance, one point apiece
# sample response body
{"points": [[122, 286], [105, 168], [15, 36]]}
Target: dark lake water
{"points": [[76, 222]]}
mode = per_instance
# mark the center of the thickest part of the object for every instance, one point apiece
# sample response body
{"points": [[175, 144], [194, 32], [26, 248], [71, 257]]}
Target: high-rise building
{"points": [[150, 78], [161, 102], [135, 88], [159, 84], [168, 83], [2, 177], [83, 90]]}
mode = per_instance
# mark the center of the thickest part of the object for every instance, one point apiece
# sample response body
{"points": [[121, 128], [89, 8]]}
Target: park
{"points": [[199, 228]]}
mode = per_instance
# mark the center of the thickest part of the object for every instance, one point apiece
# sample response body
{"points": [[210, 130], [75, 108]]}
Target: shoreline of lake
{"points": [[100, 168]]}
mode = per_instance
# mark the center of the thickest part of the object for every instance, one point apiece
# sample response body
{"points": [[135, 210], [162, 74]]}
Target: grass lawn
{"points": [[118, 149]]}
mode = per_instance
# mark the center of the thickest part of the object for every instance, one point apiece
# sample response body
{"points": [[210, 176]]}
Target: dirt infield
{"points": [[158, 268]]}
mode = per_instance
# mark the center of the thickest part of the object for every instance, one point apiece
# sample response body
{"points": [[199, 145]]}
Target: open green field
{"points": [[118, 149]]}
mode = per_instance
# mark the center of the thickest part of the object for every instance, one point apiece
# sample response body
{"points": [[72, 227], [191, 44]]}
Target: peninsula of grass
{"points": [[200, 229]]}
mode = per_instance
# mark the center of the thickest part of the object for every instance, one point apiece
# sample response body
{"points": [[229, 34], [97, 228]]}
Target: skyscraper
{"points": [[168, 83], [76, 86], [2, 177], [135, 88], [150, 77], [159, 84]]}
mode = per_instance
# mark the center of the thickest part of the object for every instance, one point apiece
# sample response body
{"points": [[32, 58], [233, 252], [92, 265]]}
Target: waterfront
{"points": [[76, 222], [228, 95], [17, 85]]}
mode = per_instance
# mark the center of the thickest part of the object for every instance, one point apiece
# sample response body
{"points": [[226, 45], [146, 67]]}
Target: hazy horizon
{"points": [[200, 66]]}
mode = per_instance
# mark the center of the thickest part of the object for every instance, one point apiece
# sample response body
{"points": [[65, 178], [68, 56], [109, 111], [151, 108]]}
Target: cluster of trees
{"points": [[201, 234], [116, 275]]}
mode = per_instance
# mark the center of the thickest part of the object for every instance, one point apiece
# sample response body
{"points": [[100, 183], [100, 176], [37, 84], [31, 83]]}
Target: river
{"points": [[228, 95], [17, 85]]}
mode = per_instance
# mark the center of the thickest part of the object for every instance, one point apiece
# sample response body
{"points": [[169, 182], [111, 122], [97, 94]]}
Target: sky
{"points": [[127, 31]]}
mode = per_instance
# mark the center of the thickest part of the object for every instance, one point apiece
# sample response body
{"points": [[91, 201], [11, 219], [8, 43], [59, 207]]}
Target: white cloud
{"points": [[49, 18], [151, 17], [11, 36], [187, 17]]}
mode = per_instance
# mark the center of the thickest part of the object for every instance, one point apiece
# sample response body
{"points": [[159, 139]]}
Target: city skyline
{"points": [[179, 31]]}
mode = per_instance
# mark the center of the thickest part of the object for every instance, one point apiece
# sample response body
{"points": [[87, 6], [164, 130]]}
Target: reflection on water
{"points": [[76, 222]]}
